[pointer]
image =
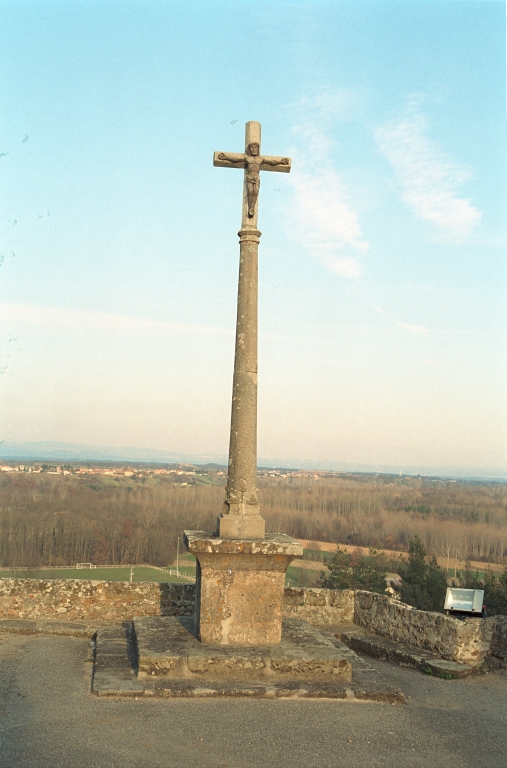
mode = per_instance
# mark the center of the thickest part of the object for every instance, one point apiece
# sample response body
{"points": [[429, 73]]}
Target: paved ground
{"points": [[48, 719]]}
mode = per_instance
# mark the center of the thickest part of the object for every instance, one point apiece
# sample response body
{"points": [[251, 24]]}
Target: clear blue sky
{"points": [[382, 260]]}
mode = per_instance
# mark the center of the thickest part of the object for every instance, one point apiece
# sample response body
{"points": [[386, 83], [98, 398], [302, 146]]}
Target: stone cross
{"points": [[241, 514], [240, 570]]}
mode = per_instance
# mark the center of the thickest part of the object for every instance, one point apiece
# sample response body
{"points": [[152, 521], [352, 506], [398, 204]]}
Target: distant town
{"points": [[130, 470], [190, 474]]}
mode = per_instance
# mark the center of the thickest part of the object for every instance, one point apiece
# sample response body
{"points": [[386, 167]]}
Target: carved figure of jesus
{"points": [[252, 162]]}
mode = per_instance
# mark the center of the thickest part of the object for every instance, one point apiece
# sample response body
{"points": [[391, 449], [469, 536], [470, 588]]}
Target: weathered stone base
{"points": [[252, 690], [166, 646], [240, 586], [301, 667], [101, 603]]}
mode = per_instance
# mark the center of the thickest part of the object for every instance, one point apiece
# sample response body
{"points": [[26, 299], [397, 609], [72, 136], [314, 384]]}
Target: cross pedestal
{"points": [[239, 587], [240, 570]]}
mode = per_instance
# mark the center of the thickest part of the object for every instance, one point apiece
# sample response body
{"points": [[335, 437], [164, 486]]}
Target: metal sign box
{"points": [[464, 601]]}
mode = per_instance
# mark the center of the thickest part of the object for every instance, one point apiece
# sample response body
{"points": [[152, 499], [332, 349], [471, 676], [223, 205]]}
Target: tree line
{"points": [[423, 582], [64, 519]]}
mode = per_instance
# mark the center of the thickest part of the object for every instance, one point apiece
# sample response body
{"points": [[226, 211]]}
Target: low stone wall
{"points": [[498, 648], [112, 601], [320, 607], [95, 601], [465, 641], [100, 602]]}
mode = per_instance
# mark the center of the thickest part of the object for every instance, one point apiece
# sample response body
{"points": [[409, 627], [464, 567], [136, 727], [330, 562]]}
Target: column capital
{"points": [[249, 235]]}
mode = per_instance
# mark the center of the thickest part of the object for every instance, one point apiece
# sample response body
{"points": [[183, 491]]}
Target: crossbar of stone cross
{"points": [[241, 516]]}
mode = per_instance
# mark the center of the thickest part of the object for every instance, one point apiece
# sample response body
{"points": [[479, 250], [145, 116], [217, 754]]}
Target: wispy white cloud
{"points": [[323, 220], [410, 327], [428, 180], [75, 319], [418, 329]]}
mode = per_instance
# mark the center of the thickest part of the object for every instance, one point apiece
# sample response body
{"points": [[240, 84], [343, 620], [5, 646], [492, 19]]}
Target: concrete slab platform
{"points": [[224, 672]]}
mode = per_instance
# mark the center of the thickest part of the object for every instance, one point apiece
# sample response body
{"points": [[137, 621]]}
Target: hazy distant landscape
{"points": [[57, 451], [114, 514]]}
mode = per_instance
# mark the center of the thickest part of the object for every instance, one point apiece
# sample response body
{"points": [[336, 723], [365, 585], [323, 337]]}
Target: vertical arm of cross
{"points": [[241, 516]]}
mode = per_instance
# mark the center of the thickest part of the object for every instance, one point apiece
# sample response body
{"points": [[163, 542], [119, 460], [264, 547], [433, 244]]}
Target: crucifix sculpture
{"points": [[241, 514], [253, 162]]}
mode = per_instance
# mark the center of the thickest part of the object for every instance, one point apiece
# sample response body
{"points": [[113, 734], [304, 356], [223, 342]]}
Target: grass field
{"points": [[317, 554], [302, 577], [139, 573], [296, 576]]}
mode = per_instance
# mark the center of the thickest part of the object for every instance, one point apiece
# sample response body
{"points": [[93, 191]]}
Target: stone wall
{"points": [[320, 607], [92, 601], [498, 648], [112, 601], [100, 602], [466, 641]]}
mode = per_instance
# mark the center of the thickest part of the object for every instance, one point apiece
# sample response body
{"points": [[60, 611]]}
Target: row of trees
{"points": [[423, 582], [56, 520], [52, 519], [453, 520]]}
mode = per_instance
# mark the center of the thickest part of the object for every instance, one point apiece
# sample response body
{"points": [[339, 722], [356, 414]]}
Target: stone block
{"points": [[241, 527], [167, 647], [314, 596], [311, 664], [305, 651], [240, 587], [294, 596], [242, 662]]}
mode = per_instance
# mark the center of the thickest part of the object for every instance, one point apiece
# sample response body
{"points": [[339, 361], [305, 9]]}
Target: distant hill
{"points": [[55, 451]]}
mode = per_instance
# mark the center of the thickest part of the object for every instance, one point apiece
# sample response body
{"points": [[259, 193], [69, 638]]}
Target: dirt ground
{"points": [[49, 719]]}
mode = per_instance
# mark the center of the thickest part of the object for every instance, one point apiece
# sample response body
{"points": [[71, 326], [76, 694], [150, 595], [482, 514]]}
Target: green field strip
{"points": [[140, 573], [317, 554]]}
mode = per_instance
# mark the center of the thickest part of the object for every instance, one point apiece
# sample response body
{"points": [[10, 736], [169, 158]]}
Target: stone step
{"points": [[165, 688], [116, 657], [378, 647], [47, 627]]}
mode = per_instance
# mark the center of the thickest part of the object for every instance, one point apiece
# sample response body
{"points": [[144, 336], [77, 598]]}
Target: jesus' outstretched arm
{"points": [[231, 158], [275, 161]]}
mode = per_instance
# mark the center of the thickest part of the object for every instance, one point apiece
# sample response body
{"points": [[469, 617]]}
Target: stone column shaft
{"points": [[241, 515]]}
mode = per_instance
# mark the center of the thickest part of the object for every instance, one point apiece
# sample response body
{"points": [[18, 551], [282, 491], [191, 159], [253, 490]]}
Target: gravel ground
{"points": [[48, 719]]}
